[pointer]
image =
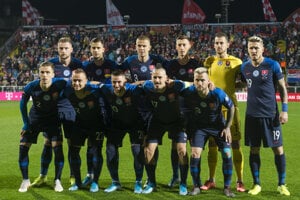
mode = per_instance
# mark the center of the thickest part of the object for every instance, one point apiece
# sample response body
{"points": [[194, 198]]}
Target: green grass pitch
{"points": [[10, 175]]}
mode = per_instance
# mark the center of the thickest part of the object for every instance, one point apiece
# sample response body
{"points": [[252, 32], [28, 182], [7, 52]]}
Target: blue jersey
{"points": [[261, 87], [125, 112], [138, 70], [164, 106], [62, 71], [99, 73], [87, 108], [182, 72], [44, 103], [205, 112]]}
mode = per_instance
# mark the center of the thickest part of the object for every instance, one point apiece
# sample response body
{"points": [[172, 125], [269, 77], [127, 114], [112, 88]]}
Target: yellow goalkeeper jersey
{"points": [[223, 72]]}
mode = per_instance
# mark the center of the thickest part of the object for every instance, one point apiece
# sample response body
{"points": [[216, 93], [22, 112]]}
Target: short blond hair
{"points": [[200, 70], [255, 39]]}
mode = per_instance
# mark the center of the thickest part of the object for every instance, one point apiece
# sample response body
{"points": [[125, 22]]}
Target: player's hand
{"points": [[283, 117], [227, 135], [208, 61]]}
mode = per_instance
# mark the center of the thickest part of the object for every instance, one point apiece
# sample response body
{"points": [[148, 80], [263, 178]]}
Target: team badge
{"points": [[151, 67], [154, 103], [255, 73], [127, 101], [81, 104], [264, 73], [182, 71], [197, 110], [55, 95], [211, 105], [203, 104], [46, 97], [98, 72], [115, 108], [171, 97], [220, 62], [90, 104], [227, 63], [107, 73], [119, 101], [67, 73], [190, 71], [143, 68], [162, 98]]}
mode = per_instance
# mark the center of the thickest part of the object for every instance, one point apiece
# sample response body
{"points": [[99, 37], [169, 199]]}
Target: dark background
{"points": [[155, 11]]}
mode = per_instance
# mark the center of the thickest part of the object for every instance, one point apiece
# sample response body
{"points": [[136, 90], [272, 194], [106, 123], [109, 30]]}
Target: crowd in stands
{"points": [[37, 44]]}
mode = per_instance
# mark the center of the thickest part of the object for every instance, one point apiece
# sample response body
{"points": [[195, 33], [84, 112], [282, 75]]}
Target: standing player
{"points": [[224, 71], [263, 120], [205, 119], [165, 116], [97, 69], [43, 117], [181, 68], [125, 118], [88, 125], [64, 65]]}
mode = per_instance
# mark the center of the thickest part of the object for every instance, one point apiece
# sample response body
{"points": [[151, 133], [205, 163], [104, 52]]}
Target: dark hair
{"points": [[221, 34], [118, 72], [47, 64]]}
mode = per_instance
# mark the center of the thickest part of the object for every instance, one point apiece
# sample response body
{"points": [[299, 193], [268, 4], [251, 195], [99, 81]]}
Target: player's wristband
{"points": [[284, 107]]}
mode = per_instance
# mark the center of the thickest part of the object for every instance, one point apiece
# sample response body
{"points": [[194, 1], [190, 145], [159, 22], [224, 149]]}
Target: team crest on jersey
{"points": [[162, 98], [182, 71], [264, 73], [90, 104], [55, 95], [119, 101], [211, 105], [203, 104], [127, 101], [227, 64], [197, 110], [190, 71], [98, 72], [46, 97], [81, 104], [143, 68], [171, 97], [151, 67], [255, 73], [107, 73], [220, 62], [67, 73]]}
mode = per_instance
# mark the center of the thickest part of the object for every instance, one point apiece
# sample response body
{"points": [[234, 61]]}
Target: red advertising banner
{"points": [[241, 96]]}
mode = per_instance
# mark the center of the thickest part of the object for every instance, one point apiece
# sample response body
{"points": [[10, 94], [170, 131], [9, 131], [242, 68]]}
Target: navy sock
{"points": [[254, 161], [280, 166], [24, 160], [59, 161], [46, 158]]}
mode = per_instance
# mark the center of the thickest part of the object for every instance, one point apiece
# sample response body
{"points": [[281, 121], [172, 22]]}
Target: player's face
{"points": [[97, 50], [159, 78], [143, 47], [118, 83], [255, 50], [65, 50], [182, 47], [221, 45], [46, 74], [79, 81], [201, 82]]}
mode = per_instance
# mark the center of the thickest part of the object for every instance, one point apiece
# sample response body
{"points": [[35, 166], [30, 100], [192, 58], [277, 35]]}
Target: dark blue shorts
{"points": [[116, 136], [67, 119], [79, 135], [266, 130], [51, 131], [199, 137], [157, 130]]}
